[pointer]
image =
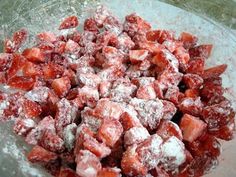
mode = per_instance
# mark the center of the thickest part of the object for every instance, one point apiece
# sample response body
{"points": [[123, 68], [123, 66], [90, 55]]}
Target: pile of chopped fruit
{"points": [[118, 99]]}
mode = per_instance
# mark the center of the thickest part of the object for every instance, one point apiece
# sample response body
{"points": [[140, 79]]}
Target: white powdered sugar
{"points": [[3, 105], [150, 151], [173, 153], [69, 136], [150, 112], [135, 135], [38, 94]]}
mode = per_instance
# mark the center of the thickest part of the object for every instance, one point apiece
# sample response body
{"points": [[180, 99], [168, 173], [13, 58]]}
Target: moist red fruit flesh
{"points": [[116, 99]]}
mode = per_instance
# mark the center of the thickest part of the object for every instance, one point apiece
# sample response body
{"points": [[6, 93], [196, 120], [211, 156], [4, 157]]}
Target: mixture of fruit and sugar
{"points": [[116, 99]]}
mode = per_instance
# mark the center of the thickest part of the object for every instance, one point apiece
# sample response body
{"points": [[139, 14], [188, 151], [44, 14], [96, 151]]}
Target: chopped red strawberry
{"points": [[69, 22], [193, 81], [188, 40], [90, 25], [167, 129], [88, 165], [21, 82], [46, 37], [137, 55], [30, 69], [146, 92], [196, 66], [71, 46], [41, 155], [110, 131], [214, 71], [5, 61], [192, 127], [16, 64], [23, 126], [203, 51], [109, 172], [52, 70], [130, 163], [99, 149], [31, 108], [34, 54], [159, 35], [61, 86]]}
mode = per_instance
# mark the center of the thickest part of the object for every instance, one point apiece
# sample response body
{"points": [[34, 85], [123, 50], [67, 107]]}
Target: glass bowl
{"points": [[44, 15]]}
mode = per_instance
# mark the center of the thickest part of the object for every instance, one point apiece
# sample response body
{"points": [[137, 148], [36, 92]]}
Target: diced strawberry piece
{"points": [[67, 172], [129, 118], [5, 60], [46, 124], [61, 86], [191, 106], [169, 110], [218, 115], [47, 48], [89, 79], [90, 25], [172, 45], [111, 56], [9, 46], [41, 155], [158, 89], [104, 89], [130, 163], [112, 24], [122, 90], [183, 57], [164, 59], [146, 92], [83, 132], [38, 94], [167, 129], [135, 135], [112, 73], [46, 37], [173, 153], [214, 71], [149, 151], [89, 96], [17, 63], [19, 37], [136, 56], [109, 172], [192, 81], [159, 172], [212, 91], [160, 35], [30, 69], [101, 14], [23, 126], [3, 78], [59, 47], [172, 94], [88, 164], [71, 47], [196, 66], [152, 47], [192, 93], [106, 108], [69, 22], [52, 70], [150, 111], [122, 42], [169, 78], [88, 36], [34, 54], [65, 115], [192, 127], [21, 82], [31, 108], [143, 81], [110, 131], [203, 51], [225, 132], [52, 142], [71, 75], [188, 40], [99, 149]]}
